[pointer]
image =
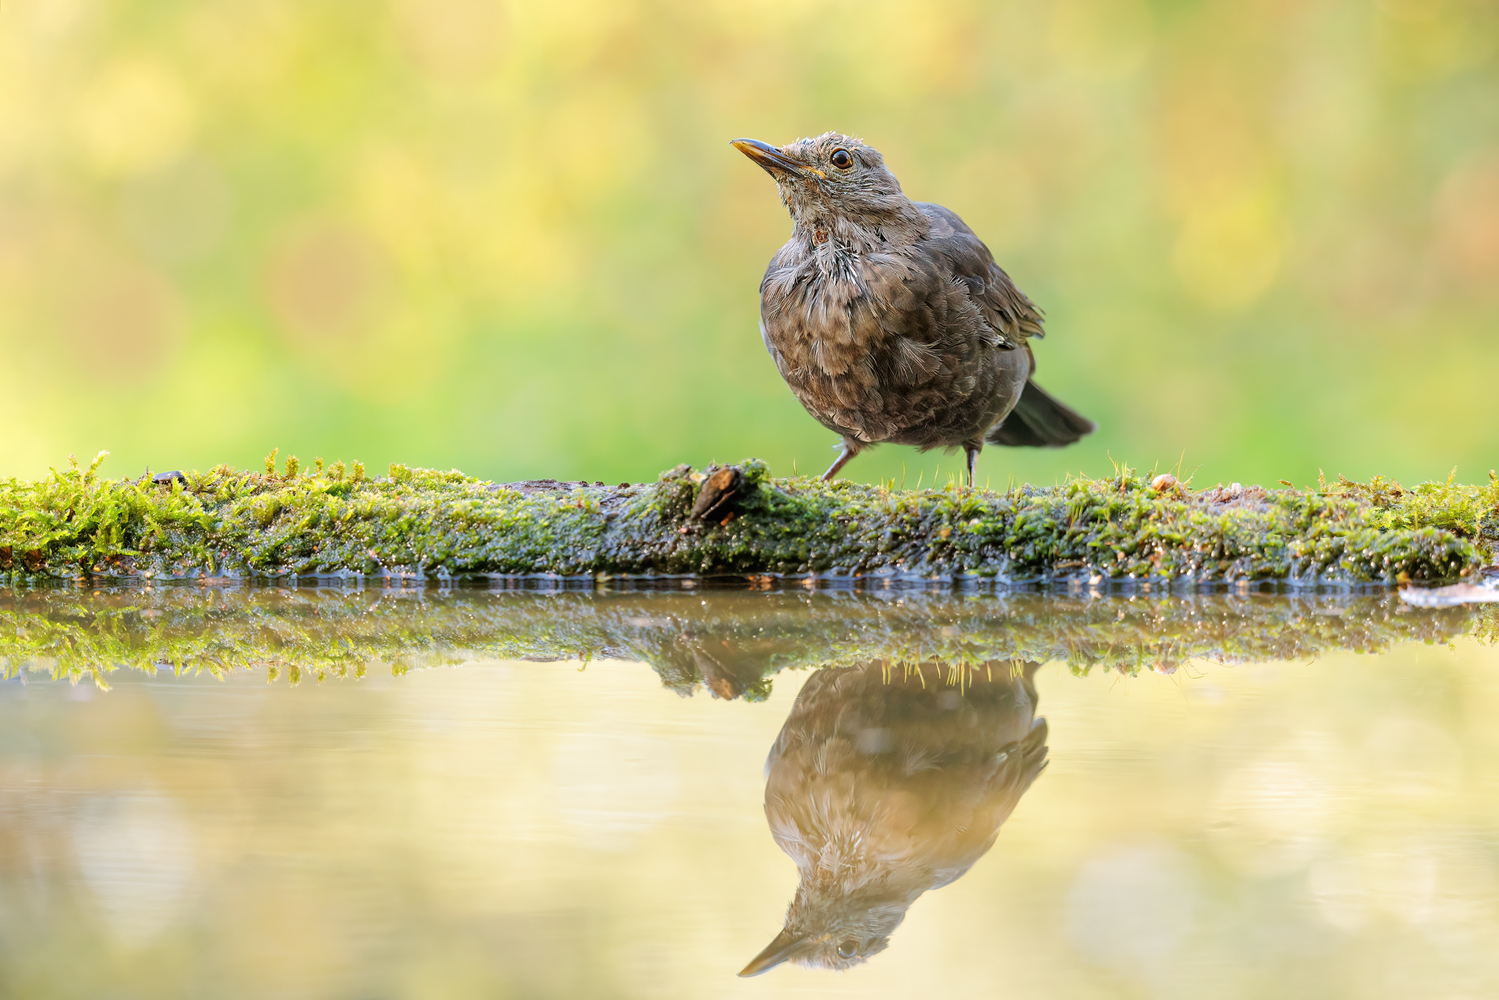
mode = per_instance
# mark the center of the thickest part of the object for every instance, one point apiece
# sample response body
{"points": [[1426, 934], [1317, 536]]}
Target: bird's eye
{"points": [[848, 947], [842, 159]]}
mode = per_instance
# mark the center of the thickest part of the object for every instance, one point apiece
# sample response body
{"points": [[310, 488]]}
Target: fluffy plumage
{"points": [[888, 318]]}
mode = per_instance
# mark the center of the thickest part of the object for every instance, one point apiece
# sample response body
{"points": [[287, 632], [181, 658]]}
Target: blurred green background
{"points": [[511, 237]]}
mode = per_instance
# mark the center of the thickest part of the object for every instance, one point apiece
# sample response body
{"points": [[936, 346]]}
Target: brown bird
{"points": [[885, 783], [889, 318]]}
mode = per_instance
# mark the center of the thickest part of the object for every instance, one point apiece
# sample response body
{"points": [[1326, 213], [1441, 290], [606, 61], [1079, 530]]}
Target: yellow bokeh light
{"points": [[135, 115], [1101, 39], [1228, 253]]}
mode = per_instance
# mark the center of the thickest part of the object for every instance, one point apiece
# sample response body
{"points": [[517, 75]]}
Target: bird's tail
{"points": [[1038, 421], [1033, 752]]}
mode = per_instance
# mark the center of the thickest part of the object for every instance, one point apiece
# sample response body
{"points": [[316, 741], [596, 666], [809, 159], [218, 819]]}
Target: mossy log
{"points": [[1126, 530]]}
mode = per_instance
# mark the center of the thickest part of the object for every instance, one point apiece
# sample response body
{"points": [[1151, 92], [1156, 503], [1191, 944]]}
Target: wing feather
{"points": [[1008, 310]]}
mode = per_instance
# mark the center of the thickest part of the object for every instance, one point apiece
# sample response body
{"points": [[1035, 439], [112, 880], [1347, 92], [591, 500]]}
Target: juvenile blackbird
{"points": [[889, 318], [885, 783]]}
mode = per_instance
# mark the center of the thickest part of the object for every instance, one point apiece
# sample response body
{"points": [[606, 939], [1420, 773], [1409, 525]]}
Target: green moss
{"points": [[423, 523], [1468, 511]]}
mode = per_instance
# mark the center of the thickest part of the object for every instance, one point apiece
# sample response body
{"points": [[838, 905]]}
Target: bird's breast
{"points": [[808, 318], [884, 346]]}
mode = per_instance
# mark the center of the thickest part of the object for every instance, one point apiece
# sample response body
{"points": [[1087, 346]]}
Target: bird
{"points": [[888, 781], [889, 318]]}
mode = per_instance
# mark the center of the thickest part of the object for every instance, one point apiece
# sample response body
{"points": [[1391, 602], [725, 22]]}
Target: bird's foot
{"points": [[972, 452], [843, 458]]}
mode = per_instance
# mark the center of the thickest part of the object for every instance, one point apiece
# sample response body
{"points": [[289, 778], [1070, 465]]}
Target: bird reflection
{"points": [[886, 782]]}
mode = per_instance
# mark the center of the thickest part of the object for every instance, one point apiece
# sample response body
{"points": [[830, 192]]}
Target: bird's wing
{"points": [[1006, 308], [1015, 767]]}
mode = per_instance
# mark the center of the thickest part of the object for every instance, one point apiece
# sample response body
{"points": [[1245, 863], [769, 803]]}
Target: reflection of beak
{"points": [[783, 947], [772, 159]]}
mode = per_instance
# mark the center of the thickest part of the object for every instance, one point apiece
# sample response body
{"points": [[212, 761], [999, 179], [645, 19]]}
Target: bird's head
{"points": [[836, 932], [838, 185]]}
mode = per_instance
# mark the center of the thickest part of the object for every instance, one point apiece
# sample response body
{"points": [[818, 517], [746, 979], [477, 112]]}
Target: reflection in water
{"points": [[731, 643], [544, 830], [1132, 906], [617, 785], [886, 782], [135, 852]]}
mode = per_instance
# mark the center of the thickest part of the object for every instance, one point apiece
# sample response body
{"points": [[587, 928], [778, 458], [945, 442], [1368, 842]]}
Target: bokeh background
{"points": [[511, 237]]}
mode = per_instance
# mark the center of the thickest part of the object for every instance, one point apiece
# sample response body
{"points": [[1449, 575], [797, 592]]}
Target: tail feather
{"points": [[1033, 749], [1038, 421], [1032, 759]]}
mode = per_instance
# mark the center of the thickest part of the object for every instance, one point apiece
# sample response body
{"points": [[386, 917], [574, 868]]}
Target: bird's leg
{"points": [[972, 451], [849, 451]]}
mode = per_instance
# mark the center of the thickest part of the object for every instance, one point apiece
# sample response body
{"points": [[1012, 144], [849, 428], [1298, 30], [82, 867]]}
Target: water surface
{"points": [[1243, 796]]}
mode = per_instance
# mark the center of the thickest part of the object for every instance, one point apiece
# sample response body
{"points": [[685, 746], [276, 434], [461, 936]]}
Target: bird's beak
{"points": [[783, 947], [775, 162]]}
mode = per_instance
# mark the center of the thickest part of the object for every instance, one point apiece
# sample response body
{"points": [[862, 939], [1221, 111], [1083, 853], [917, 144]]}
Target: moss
{"points": [[423, 523], [1468, 511], [730, 643]]}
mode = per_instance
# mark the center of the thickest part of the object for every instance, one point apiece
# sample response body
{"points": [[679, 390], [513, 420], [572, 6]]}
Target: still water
{"points": [[493, 794]]}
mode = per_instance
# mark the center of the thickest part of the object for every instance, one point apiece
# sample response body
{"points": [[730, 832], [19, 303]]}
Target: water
{"points": [[1245, 796]]}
